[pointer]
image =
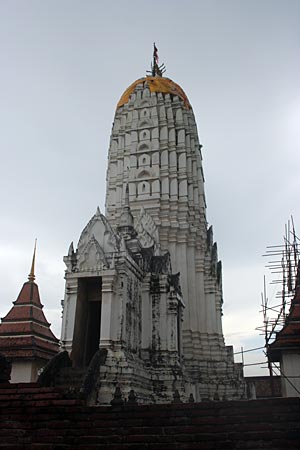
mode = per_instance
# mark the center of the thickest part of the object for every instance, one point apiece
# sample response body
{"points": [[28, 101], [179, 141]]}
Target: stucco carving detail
{"points": [[103, 233], [92, 257], [147, 231]]}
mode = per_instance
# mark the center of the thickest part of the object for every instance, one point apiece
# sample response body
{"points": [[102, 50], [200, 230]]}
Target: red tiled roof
{"points": [[30, 327], [29, 294], [26, 347], [24, 331], [289, 337], [22, 312]]}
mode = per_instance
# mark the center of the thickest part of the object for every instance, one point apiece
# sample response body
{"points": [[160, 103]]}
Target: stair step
{"points": [[70, 376]]}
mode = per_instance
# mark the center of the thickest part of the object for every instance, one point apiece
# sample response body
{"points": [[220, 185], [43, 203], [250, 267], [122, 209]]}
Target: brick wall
{"points": [[44, 418], [263, 386]]}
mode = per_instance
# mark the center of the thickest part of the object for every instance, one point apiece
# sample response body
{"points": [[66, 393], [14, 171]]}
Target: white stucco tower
{"points": [[144, 283], [155, 149]]}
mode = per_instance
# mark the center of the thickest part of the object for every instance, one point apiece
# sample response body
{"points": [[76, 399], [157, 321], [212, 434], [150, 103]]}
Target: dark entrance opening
{"points": [[87, 321]]}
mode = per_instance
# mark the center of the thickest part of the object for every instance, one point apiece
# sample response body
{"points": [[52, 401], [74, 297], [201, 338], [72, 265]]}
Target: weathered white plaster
{"points": [[290, 368], [25, 371]]}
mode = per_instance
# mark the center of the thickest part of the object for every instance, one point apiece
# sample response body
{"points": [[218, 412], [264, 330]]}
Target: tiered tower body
{"points": [[155, 148]]}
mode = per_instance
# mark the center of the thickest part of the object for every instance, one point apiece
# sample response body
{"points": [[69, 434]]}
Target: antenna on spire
{"points": [[31, 276], [156, 70]]}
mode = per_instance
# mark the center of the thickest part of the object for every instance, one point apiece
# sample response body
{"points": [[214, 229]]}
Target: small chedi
{"points": [[26, 340], [144, 283]]}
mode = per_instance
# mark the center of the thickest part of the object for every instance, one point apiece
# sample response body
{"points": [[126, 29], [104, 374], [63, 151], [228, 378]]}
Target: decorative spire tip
{"points": [[31, 276]]}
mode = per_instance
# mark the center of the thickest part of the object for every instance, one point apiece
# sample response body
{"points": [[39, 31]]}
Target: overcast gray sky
{"points": [[64, 65]]}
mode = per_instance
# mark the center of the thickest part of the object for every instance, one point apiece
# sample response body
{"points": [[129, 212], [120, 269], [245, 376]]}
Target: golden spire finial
{"points": [[31, 276]]}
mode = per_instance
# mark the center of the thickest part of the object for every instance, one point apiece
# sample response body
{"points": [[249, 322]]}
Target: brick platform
{"points": [[43, 418]]}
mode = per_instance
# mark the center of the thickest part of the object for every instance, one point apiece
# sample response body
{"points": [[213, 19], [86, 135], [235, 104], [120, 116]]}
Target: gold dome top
{"points": [[156, 84]]}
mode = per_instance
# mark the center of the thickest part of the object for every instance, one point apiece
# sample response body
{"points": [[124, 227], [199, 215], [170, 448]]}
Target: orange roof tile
{"points": [[156, 84]]}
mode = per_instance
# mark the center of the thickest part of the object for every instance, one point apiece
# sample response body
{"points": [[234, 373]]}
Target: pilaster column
{"points": [[109, 327], [69, 310], [172, 323], [146, 314]]}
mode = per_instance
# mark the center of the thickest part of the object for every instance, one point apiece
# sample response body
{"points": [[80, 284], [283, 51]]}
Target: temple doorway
{"points": [[87, 321]]}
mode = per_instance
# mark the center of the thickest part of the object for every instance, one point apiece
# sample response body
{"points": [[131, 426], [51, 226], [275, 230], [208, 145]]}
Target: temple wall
{"points": [[25, 371], [290, 368]]}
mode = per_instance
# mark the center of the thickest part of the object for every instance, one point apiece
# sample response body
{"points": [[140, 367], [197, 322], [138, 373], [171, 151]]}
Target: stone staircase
{"points": [[70, 378]]}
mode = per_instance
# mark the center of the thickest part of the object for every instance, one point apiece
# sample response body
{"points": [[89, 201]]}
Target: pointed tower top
{"points": [[126, 218], [126, 203], [31, 276]]}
